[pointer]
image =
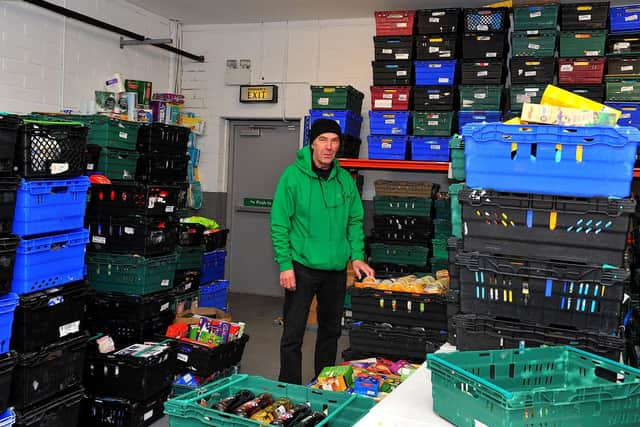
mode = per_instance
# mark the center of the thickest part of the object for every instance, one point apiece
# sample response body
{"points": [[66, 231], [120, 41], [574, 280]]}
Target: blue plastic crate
{"points": [[592, 161], [8, 305], [387, 147], [630, 113], [350, 123], [465, 117], [214, 294], [50, 206], [7, 418], [429, 148], [49, 261], [389, 122], [439, 73], [213, 266], [625, 18]]}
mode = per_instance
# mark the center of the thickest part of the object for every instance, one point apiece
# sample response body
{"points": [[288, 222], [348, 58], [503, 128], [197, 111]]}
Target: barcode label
{"points": [[387, 96], [402, 56], [443, 79], [492, 54], [435, 147], [533, 32], [169, 208], [401, 25], [479, 95], [434, 20], [99, 239], [483, 38], [432, 123], [533, 46], [123, 135], [390, 121], [57, 168], [626, 68], [69, 328], [129, 230], [532, 89], [625, 116], [385, 145], [535, 14], [434, 96], [165, 282], [433, 49], [631, 18], [445, 54], [387, 51], [482, 27], [482, 73], [164, 307], [323, 101], [584, 17], [467, 102], [621, 45], [401, 73], [148, 415], [435, 65], [90, 166], [566, 68], [438, 13], [522, 98]]}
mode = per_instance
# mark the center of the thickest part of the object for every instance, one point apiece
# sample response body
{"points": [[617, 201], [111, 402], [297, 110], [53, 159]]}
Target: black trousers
{"points": [[329, 287]]}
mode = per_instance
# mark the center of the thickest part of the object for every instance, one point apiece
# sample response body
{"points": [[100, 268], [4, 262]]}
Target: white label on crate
{"points": [[323, 101], [479, 95], [482, 73], [625, 116], [631, 18], [402, 25], [434, 96], [522, 98], [129, 230], [432, 123], [445, 54], [165, 282], [479, 424], [434, 20], [433, 49], [435, 65], [182, 357], [403, 97], [57, 168], [385, 145], [382, 103], [387, 96], [387, 51], [90, 166], [389, 121], [533, 46], [187, 286], [169, 208], [566, 68], [438, 13], [467, 103], [401, 73], [402, 56], [535, 14], [530, 73], [164, 307], [435, 147], [491, 54], [621, 45], [533, 32], [152, 202], [532, 89], [584, 17], [592, 52], [482, 27], [443, 79], [626, 89], [484, 38], [148, 415], [123, 135], [99, 239], [69, 328], [626, 68]]}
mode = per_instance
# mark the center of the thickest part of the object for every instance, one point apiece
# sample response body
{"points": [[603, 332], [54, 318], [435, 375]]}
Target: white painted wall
{"points": [[49, 62]]}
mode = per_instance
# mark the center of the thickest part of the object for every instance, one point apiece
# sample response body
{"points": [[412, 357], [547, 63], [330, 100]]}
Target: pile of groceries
{"points": [[413, 284], [209, 332]]}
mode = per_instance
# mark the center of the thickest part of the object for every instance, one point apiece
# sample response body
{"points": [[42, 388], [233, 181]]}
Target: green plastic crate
{"points": [[519, 94], [481, 98], [535, 17], [435, 123], [186, 410], [130, 274], [189, 257], [118, 164], [575, 44], [442, 207], [622, 90], [456, 146], [442, 227], [409, 206], [545, 386], [336, 98], [112, 133], [456, 210], [399, 254], [439, 264], [534, 43], [440, 247]]}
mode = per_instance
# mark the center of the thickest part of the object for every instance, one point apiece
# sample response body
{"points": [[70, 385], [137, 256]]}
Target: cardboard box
{"points": [[551, 115], [142, 88], [192, 317], [336, 378]]}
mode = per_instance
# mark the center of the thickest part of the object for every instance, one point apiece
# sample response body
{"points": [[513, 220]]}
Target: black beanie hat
{"points": [[321, 126]]}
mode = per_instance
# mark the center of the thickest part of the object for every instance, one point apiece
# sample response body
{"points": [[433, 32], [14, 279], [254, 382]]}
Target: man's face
{"points": [[325, 147]]}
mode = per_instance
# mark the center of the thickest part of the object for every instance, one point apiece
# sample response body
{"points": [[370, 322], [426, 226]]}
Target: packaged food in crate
{"points": [[127, 198], [132, 234]]}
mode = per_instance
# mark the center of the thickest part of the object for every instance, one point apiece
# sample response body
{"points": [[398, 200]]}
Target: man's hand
{"points": [[288, 280], [362, 268]]}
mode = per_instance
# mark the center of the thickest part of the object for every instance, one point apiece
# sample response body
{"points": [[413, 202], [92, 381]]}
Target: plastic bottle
{"points": [[249, 408], [294, 415], [277, 409], [311, 420], [230, 403]]}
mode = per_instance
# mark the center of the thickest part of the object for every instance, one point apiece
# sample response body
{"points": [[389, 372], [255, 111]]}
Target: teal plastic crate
{"points": [[194, 409], [458, 171], [456, 210]]}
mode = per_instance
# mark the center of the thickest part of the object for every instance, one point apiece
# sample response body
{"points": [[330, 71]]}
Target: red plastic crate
{"points": [[395, 22], [581, 71], [394, 98]]}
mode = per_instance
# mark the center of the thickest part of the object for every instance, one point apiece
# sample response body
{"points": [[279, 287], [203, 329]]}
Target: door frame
{"points": [[230, 124]]}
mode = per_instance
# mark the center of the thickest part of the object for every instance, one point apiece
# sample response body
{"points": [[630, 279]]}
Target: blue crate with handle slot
{"points": [[387, 147], [214, 294], [350, 123], [440, 73], [389, 122], [625, 18], [558, 160], [213, 266], [630, 113], [429, 148], [8, 305], [465, 117]]}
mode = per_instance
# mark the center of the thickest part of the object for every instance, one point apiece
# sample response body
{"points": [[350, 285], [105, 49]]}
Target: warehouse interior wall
{"points": [[50, 62]]}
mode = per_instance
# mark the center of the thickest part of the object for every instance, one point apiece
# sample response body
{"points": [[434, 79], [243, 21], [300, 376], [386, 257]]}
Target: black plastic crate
{"points": [[9, 127], [40, 375], [623, 44], [486, 19], [554, 293], [215, 239], [62, 410], [349, 147], [162, 168], [488, 333], [434, 21], [8, 245], [135, 372], [437, 46], [7, 363], [399, 308], [93, 157], [584, 16], [162, 138], [190, 234], [574, 229], [435, 98], [393, 48], [385, 270], [116, 412], [476, 72], [133, 308], [134, 198], [394, 342], [186, 281], [484, 45], [623, 66], [399, 222], [529, 70], [126, 332], [593, 92], [52, 150], [392, 73], [43, 317], [393, 237], [453, 309], [203, 361], [8, 189], [133, 234]]}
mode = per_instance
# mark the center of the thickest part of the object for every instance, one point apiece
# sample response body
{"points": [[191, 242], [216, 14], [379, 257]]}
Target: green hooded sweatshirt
{"points": [[314, 222]]}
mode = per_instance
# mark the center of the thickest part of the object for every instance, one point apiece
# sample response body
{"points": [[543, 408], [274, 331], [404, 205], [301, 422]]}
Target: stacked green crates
{"points": [[481, 98], [336, 98], [436, 123]]}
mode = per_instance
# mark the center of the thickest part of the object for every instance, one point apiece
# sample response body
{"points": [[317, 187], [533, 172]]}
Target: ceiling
{"points": [[199, 12]]}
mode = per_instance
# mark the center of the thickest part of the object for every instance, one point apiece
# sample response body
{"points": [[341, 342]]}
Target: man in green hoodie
{"points": [[316, 228]]}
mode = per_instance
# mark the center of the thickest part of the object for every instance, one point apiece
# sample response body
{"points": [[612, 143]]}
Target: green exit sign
{"points": [[257, 203]]}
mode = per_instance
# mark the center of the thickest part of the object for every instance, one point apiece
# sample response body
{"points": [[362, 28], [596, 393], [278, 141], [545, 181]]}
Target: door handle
{"points": [[252, 209]]}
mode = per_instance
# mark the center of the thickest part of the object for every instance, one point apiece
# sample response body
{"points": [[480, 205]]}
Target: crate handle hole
{"points": [[605, 374], [59, 189], [534, 151]]}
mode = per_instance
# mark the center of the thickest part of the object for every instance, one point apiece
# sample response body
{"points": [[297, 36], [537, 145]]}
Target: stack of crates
{"points": [[542, 255], [533, 49], [582, 62], [485, 50], [43, 264], [213, 288]]}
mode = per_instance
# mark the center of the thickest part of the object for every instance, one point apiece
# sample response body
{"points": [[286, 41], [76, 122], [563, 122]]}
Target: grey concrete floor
{"points": [[261, 356]]}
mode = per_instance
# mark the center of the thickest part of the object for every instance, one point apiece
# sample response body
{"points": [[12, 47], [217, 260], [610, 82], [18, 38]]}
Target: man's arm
{"points": [[282, 210]]}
